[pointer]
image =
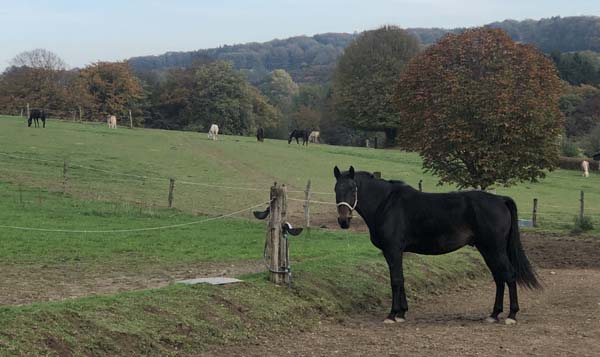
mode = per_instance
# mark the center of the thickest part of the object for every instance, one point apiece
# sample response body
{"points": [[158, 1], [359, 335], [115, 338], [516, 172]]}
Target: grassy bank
{"points": [[335, 273]]}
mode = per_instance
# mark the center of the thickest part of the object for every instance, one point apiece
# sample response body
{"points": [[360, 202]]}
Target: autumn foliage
{"points": [[481, 110]]}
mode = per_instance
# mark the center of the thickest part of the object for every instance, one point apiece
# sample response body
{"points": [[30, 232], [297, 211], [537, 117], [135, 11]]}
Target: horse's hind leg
{"points": [[514, 303], [498, 263]]}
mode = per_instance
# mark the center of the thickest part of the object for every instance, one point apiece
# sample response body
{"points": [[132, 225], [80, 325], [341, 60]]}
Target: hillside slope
{"points": [[311, 59]]}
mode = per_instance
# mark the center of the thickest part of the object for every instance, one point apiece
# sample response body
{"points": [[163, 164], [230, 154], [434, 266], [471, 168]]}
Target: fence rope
{"points": [[134, 229], [312, 201], [150, 177]]}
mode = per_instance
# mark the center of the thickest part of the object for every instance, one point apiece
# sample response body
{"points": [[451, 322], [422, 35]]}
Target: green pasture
{"points": [[334, 273], [235, 172], [118, 179]]}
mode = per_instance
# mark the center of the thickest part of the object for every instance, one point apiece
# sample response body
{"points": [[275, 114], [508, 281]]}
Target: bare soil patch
{"points": [[561, 320], [38, 283]]}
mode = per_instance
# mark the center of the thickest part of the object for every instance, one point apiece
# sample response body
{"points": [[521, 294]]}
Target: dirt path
{"points": [[561, 320]]}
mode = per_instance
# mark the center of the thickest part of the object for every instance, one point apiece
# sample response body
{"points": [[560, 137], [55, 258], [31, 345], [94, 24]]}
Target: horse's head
{"points": [[346, 195]]}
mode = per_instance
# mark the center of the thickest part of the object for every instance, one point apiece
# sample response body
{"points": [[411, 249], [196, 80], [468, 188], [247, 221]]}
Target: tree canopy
{"points": [[481, 109], [112, 87], [366, 76], [207, 93]]}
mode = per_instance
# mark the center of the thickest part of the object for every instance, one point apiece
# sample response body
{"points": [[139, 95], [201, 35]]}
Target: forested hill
{"points": [[311, 59]]}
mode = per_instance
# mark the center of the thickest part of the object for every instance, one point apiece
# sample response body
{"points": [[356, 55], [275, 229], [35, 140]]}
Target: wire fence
{"points": [[151, 188]]}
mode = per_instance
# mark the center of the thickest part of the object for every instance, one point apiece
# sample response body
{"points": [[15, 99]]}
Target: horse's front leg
{"points": [[399, 304]]}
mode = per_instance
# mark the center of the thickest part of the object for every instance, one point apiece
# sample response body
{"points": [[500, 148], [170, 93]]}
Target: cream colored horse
{"points": [[213, 132], [585, 167], [112, 122]]}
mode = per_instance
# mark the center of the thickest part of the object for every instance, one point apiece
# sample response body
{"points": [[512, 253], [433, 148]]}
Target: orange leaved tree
{"points": [[481, 110]]}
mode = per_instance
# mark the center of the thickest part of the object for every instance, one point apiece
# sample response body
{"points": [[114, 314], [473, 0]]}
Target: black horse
{"points": [[297, 133], [260, 134], [402, 219], [34, 116]]}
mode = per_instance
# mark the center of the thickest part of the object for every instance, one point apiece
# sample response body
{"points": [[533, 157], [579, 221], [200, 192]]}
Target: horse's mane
{"points": [[365, 174]]}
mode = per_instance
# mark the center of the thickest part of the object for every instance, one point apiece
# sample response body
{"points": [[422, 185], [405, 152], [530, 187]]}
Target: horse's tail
{"points": [[525, 274]]}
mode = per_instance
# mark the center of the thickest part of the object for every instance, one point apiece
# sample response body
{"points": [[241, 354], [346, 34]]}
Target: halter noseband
{"points": [[347, 204]]}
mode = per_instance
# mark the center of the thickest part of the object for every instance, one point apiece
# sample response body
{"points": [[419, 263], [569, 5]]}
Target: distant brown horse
{"points": [[297, 133], [260, 134], [34, 116]]}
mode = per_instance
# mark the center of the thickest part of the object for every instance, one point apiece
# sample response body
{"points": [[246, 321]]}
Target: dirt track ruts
{"points": [[561, 320]]}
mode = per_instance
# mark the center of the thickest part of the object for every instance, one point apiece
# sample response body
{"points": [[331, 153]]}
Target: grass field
{"points": [[334, 273], [106, 164], [118, 179]]}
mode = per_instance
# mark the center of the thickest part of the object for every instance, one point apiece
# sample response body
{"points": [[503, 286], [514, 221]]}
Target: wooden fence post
{"points": [[27, 110], [80, 113], [307, 205], [276, 244], [65, 175], [421, 185], [581, 207], [171, 187], [534, 214], [130, 120]]}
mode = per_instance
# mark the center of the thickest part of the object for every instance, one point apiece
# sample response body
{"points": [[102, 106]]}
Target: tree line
{"points": [[310, 60]]}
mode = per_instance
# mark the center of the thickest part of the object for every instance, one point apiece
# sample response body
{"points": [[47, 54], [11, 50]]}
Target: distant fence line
{"points": [[543, 214], [144, 177]]}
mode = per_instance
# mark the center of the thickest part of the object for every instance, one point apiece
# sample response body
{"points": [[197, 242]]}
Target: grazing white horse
{"points": [[213, 132], [585, 166], [112, 122], [314, 137]]}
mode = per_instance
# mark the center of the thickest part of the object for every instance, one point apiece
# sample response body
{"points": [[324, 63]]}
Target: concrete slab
{"points": [[212, 281]]}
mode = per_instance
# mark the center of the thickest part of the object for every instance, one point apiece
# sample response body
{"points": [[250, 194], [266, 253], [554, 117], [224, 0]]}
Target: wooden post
{"points": [[276, 245], [581, 208], [377, 174], [307, 206], [80, 113], [534, 214], [21, 113], [421, 185], [367, 143], [27, 110], [283, 242], [171, 187], [130, 120], [65, 175]]}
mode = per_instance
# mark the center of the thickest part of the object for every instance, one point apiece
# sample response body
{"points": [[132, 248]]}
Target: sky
{"points": [[83, 31]]}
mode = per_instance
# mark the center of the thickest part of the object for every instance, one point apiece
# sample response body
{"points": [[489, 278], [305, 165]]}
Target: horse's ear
{"points": [[351, 172], [336, 173]]}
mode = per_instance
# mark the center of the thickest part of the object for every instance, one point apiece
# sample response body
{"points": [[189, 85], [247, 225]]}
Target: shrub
{"points": [[568, 148], [574, 163], [582, 224]]}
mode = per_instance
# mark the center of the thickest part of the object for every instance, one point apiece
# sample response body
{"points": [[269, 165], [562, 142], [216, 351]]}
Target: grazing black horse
{"points": [[402, 219], [34, 116], [260, 134], [297, 133]]}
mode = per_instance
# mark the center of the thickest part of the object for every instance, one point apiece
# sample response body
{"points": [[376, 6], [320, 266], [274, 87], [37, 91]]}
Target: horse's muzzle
{"points": [[344, 222]]}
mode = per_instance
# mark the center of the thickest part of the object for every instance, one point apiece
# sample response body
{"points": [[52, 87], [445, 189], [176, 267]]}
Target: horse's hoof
{"points": [[510, 321], [491, 320], [389, 321], [400, 319]]}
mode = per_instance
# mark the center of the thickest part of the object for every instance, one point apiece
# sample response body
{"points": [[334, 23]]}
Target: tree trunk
{"points": [[390, 136]]}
